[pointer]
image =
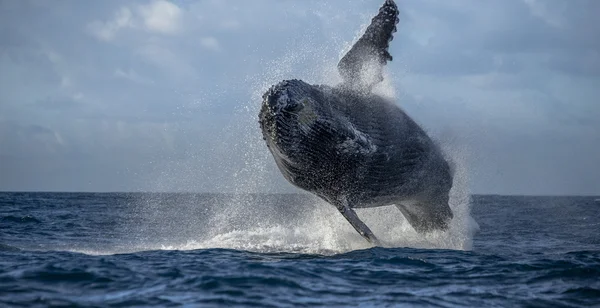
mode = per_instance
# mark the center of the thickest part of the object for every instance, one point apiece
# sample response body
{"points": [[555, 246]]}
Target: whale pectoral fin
{"points": [[426, 217], [362, 66], [358, 225]]}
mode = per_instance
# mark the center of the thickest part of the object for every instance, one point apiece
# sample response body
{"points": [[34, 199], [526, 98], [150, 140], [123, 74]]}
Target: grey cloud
{"points": [[31, 140], [133, 76], [37, 130], [450, 63], [581, 63], [174, 110], [507, 29], [107, 30], [57, 103]]}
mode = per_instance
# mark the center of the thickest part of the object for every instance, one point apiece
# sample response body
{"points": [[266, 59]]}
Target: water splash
{"points": [[317, 227]]}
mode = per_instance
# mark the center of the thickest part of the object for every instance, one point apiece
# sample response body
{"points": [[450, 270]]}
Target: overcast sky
{"points": [[159, 95]]}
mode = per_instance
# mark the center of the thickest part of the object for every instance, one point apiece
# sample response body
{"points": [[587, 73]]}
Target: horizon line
{"points": [[266, 193]]}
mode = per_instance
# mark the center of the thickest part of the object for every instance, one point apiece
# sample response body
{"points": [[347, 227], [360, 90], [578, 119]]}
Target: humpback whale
{"points": [[353, 148]]}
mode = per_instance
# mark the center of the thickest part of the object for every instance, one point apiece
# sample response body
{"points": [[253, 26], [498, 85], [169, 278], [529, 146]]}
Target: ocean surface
{"points": [[152, 249]]}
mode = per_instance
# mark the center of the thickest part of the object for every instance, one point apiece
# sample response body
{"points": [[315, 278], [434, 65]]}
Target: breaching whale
{"points": [[353, 148]]}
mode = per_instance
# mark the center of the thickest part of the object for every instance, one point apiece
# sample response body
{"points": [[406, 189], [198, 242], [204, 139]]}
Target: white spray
{"points": [[317, 227]]}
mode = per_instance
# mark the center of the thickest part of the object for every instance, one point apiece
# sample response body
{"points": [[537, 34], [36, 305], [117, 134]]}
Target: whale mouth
{"points": [[282, 115], [278, 117], [287, 119], [279, 101]]}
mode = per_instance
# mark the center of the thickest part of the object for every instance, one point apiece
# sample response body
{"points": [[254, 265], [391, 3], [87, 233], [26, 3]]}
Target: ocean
{"points": [[290, 250]]}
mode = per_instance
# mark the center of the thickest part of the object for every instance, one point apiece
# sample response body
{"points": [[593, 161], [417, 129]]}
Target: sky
{"points": [[157, 95]]}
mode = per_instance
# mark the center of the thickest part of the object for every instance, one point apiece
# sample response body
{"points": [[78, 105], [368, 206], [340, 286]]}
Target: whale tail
{"points": [[427, 216]]}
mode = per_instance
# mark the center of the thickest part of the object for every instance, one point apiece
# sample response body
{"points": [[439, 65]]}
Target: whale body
{"points": [[353, 148]]}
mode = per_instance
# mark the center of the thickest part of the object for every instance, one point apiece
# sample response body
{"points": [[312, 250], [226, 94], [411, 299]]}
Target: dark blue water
{"points": [[158, 250]]}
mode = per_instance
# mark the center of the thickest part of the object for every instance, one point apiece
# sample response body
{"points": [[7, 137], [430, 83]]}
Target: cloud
{"points": [[60, 102], [143, 89], [541, 10], [230, 24], [210, 43], [161, 16], [132, 76], [449, 38], [30, 140], [106, 31], [576, 63], [168, 60], [157, 16]]}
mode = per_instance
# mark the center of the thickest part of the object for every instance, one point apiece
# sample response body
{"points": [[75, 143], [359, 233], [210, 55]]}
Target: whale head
{"points": [[290, 111]]}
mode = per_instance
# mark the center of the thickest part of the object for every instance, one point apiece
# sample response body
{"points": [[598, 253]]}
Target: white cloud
{"points": [[231, 24], [106, 31], [211, 43], [158, 16], [133, 76], [65, 82], [161, 16], [176, 66]]}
